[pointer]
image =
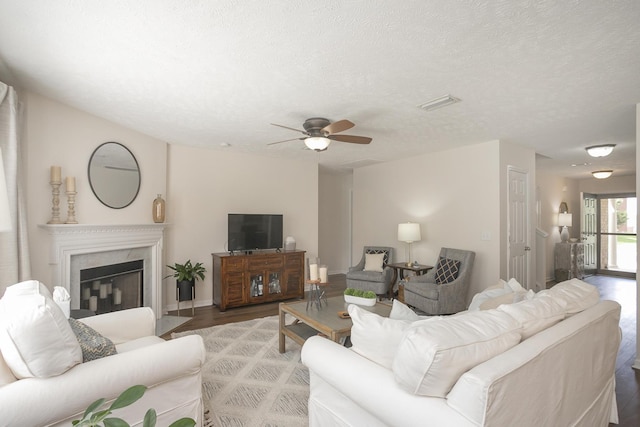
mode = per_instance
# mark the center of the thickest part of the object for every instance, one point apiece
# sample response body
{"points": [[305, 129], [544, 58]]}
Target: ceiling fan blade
{"points": [[351, 138], [286, 140], [339, 126], [287, 127]]}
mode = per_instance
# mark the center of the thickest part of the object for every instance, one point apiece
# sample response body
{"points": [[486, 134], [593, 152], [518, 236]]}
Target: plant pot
{"points": [[360, 300], [184, 289]]}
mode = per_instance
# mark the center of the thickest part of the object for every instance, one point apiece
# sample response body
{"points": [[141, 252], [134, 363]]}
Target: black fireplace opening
{"points": [[112, 287]]}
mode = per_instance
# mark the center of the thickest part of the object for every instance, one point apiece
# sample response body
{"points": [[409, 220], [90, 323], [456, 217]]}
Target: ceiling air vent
{"points": [[443, 101]]}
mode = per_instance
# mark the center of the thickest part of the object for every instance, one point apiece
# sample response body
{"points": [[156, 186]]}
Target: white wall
{"points": [[334, 221], [205, 185], [613, 184], [200, 187], [55, 134], [453, 194], [636, 365]]}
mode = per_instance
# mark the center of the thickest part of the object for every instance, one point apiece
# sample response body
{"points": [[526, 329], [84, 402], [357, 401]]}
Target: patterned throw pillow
{"points": [[380, 251], [447, 270], [94, 346]]}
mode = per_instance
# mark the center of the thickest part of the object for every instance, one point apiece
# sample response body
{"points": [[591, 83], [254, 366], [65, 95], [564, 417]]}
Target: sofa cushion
{"points": [[432, 355], [508, 298], [376, 337], [93, 345], [578, 295], [36, 339], [373, 262], [535, 314], [6, 376], [447, 270]]}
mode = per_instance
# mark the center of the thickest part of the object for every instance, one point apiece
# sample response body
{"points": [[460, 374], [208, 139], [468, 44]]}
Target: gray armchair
{"points": [[424, 293], [378, 282]]}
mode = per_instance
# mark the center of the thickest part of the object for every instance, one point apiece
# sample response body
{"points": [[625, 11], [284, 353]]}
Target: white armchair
{"points": [[170, 369]]}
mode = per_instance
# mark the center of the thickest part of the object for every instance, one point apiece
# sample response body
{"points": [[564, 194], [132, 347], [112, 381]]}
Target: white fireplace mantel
{"points": [[67, 240]]}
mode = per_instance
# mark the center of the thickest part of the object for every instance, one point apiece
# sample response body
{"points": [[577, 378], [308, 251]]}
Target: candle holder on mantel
{"points": [[71, 202], [55, 200]]}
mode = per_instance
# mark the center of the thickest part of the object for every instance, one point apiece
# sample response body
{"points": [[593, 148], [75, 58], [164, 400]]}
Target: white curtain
{"points": [[14, 248]]}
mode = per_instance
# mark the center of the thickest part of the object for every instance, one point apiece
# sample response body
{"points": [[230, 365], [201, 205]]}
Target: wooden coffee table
{"points": [[310, 321]]}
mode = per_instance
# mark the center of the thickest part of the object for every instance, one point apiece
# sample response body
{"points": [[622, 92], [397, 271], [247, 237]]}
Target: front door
{"points": [[589, 232], [518, 227]]}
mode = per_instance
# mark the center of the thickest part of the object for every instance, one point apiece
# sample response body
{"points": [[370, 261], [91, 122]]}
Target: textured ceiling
{"points": [[556, 76]]}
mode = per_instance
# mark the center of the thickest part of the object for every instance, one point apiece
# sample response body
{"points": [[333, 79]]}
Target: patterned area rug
{"points": [[247, 382]]}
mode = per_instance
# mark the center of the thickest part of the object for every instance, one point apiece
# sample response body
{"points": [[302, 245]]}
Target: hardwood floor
{"points": [[613, 288]]}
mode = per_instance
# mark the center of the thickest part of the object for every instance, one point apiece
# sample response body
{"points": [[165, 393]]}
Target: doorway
{"points": [[609, 225]]}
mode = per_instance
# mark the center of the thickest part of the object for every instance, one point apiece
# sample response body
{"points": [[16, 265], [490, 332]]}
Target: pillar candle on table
{"points": [[95, 285], [93, 303], [56, 174], [117, 296], [86, 293], [323, 274], [71, 184], [103, 291], [109, 288], [313, 272]]}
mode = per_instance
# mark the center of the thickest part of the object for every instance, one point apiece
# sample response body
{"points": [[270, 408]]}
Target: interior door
{"points": [[518, 227], [589, 231]]}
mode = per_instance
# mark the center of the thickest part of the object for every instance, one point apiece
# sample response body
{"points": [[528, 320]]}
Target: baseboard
{"points": [[187, 304]]}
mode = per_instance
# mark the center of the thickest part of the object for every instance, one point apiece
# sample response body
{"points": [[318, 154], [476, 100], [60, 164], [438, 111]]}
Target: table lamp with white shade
{"points": [[5, 217], [409, 232], [564, 221]]}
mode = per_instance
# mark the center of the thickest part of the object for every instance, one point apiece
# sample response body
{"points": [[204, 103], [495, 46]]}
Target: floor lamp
{"points": [[409, 232], [5, 217]]}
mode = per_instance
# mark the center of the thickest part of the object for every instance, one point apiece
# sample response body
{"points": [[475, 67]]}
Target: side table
{"points": [[400, 267]]}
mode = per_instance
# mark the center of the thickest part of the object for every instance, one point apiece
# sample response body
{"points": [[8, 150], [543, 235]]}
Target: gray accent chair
{"points": [[380, 283], [423, 293]]}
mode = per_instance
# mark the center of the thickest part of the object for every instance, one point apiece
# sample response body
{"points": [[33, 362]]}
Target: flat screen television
{"points": [[248, 232]]}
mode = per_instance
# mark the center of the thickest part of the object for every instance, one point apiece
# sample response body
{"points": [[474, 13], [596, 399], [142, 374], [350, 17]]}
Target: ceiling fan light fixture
{"points": [[600, 150], [436, 103], [603, 174], [317, 143]]}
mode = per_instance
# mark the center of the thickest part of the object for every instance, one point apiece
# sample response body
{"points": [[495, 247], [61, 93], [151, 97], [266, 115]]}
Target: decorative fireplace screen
{"points": [[112, 287]]}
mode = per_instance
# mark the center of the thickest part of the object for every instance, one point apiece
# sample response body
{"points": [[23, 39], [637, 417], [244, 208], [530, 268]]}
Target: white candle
{"points": [[109, 288], [313, 272], [71, 184], [56, 174], [103, 291], [95, 285], [93, 303], [86, 293], [323, 274], [117, 296]]}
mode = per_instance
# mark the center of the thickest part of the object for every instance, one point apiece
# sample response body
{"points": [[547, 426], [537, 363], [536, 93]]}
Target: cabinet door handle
{"points": [[527, 248]]}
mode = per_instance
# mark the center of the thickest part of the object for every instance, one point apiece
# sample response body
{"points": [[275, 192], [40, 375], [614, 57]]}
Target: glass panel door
{"points": [[617, 234]]}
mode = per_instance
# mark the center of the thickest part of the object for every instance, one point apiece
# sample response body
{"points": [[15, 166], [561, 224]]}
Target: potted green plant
{"points": [[360, 297], [186, 275]]}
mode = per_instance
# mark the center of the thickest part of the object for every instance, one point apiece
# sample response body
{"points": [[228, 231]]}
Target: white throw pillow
{"points": [[376, 337], [577, 294], [373, 262], [36, 339], [434, 354], [497, 290], [536, 314], [28, 287], [400, 311]]}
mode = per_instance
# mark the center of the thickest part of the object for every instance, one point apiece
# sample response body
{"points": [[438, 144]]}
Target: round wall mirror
{"points": [[114, 175]]}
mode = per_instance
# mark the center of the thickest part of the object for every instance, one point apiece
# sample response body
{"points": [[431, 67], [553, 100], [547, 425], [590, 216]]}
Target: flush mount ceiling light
{"points": [[600, 150], [443, 101], [602, 174], [317, 143]]}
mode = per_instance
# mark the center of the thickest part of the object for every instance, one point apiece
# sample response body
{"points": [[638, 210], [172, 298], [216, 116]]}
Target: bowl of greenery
{"points": [[360, 297]]}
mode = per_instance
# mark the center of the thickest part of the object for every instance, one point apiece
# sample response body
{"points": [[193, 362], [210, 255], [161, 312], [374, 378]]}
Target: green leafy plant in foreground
{"points": [[94, 416], [360, 293]]}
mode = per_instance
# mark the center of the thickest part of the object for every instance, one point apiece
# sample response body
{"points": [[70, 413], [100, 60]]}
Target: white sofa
{"points": [[563, 375], [170, 369]]}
